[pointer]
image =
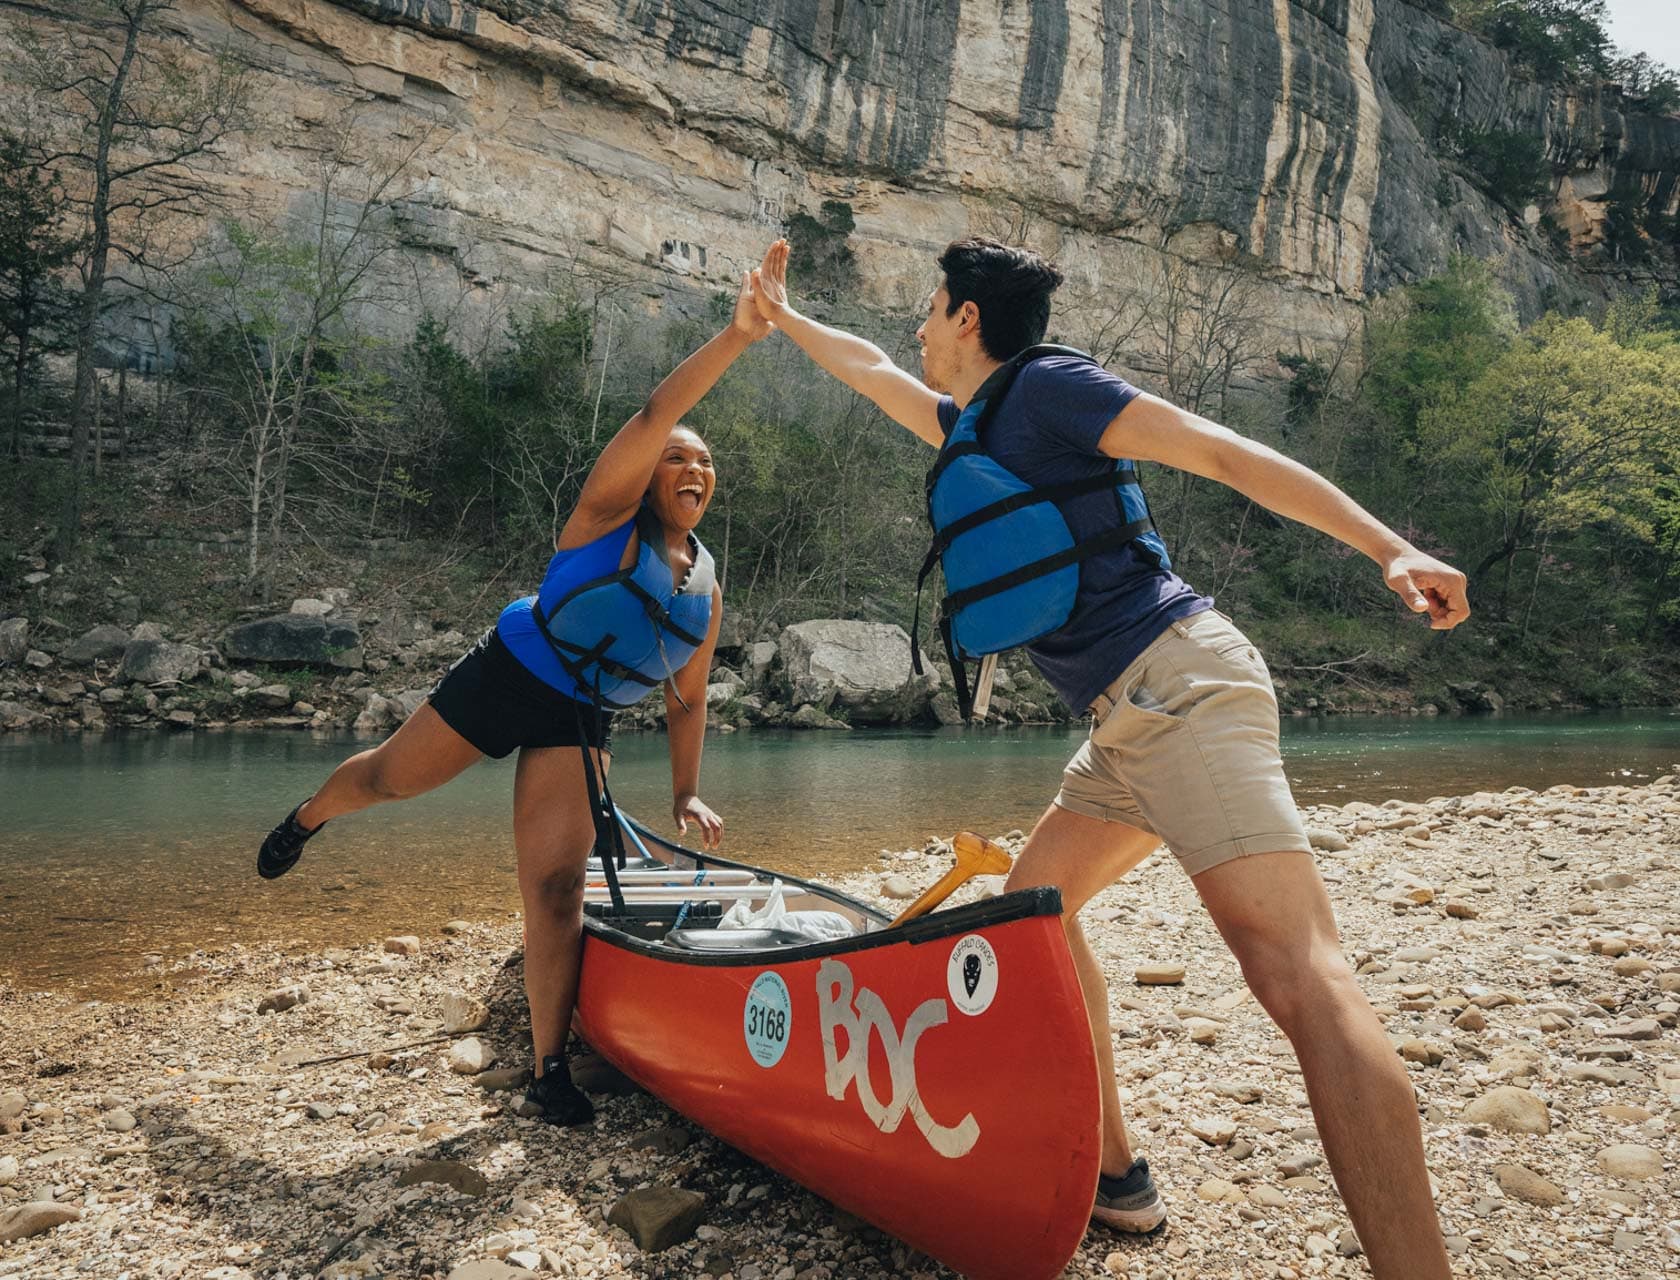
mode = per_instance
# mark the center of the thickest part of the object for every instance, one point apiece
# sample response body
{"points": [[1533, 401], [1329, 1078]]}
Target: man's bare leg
{"points": [[1081, 857], [1274, 913]]}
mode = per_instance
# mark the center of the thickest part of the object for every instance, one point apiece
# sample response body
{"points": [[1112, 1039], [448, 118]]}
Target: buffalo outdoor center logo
{"points": [[971, 975]]}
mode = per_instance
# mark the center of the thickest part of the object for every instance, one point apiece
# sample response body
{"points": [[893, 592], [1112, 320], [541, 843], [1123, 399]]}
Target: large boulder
{"points": [[863, 666], [160, 661], [290, 639], [14, 640], [105, 643]]}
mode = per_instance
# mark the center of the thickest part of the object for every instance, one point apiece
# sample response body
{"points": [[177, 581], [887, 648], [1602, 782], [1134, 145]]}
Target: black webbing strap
{"points": [[1026, 498], [659, 615], [609, 840], [1048, 564], [959, 673]]}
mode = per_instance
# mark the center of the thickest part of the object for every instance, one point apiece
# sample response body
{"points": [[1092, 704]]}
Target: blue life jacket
{"points": [[1010, 561], [623, 634]]}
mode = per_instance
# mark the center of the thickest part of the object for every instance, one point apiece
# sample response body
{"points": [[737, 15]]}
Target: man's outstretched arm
{"points": [[1151, 429], [860, 364]]}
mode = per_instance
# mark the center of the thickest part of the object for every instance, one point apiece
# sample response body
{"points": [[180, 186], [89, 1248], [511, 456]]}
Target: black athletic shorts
{"points": [[491, 700]]}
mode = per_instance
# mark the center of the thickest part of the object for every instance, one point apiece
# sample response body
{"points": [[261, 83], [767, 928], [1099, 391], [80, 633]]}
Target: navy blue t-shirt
{"points": [[1046, 431]]}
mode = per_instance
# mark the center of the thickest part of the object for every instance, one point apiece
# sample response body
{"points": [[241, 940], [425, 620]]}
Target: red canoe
{"points": [[936, 1080]]}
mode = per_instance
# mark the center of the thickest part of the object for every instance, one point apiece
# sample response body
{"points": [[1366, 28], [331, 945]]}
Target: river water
{"points": [[116, 847]]}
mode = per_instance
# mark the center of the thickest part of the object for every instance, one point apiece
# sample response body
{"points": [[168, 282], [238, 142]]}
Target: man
{"points": [[1183, 748]]}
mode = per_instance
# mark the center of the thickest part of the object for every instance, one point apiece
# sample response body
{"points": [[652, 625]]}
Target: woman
{"points": [[629, 602]]}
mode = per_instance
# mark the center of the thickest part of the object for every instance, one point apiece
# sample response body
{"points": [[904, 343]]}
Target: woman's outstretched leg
{"points": [[423, 754], [553, 832]]}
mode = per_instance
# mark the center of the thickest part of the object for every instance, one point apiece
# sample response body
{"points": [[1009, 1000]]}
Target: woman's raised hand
{"points": [[749, 319], [769, 281]]}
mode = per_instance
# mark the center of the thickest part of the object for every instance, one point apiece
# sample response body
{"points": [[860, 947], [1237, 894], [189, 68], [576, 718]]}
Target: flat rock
{"points": [[501, 1079], [1510, 1110], [1634, 1163], [594, 1074], [1522, 1183], [1213, 1130], [450, 1173], [1218, 1191], [658, 1217], [487, 1269], [34, 1219], [403, 945], [665, 1140], [283, 998]]}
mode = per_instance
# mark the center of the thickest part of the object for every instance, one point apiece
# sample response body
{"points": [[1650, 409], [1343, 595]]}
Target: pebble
{"points": [[470, 1056], [405, 945], [1524, 1184], [1159, 975]]}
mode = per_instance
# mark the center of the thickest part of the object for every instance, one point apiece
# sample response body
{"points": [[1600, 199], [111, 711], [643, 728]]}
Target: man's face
{"points": [[938, 336]]}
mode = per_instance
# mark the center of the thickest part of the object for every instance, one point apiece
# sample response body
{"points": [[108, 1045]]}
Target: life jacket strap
{"points": [[1048, 564], [1026, 498]]}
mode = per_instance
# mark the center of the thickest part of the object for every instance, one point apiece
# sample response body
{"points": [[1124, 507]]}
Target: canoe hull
{"points": [[939, 1083]]}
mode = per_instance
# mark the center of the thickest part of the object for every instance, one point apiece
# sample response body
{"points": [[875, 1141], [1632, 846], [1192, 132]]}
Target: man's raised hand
{"points": [[749, 319]]}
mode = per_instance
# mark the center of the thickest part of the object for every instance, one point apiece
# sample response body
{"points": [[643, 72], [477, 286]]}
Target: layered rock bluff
{"points": [[1301, 137]]}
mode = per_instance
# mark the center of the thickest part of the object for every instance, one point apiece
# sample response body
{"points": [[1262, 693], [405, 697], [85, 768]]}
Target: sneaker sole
{"points": [[1137, 1222]]}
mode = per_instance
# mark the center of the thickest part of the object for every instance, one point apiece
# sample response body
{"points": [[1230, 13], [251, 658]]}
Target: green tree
{"points": [[34, 252], [1564, 431]]}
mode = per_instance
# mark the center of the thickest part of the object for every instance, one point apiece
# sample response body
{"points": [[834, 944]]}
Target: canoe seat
{"points": [[733, 939]]}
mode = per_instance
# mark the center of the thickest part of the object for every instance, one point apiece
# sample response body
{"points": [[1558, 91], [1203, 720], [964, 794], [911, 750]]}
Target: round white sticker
{"points": [[767, 1019], [972, 975]]}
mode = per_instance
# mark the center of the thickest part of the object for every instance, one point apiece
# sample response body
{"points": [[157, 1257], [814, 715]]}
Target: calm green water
{"points": [[123, 845]]}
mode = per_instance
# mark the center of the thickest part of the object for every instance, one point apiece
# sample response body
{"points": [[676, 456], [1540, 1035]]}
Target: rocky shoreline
{"points": [[324, 666], [357, 1113]]}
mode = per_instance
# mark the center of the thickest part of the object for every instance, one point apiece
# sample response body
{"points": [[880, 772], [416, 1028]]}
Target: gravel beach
{"points": [[357, 1113]]}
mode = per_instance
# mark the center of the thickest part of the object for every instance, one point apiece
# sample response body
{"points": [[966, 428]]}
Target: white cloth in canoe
{"points": [[818, 926]]}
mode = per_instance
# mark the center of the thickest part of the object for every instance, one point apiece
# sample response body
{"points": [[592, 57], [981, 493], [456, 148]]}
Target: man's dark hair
{"points": [[1010, 287]]}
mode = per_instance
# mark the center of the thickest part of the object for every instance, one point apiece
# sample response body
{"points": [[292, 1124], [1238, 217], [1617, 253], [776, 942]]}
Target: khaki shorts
{"points": [[1184, 745]]}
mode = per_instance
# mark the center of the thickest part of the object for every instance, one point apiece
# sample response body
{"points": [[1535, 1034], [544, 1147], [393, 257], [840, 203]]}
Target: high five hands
{"points": [[768, 282], [750, 319]]}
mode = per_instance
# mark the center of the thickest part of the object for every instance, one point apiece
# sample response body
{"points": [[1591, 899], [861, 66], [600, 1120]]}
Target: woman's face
{"points": [[683, 481]]}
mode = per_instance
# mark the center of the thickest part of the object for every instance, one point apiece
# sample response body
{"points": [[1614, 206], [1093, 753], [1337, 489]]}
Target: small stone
{"points": [[1632, 966], [501, 1079], [1324, 838], [454, 928], [119, 1120], [283, 998], [470, 1056], [1347, 1244], [463, 1013], [1202, 1030], [1523, 1183], [1296, 1166], [658, 1217], [1212, 1130], [1426, 1052], [1510, 1110], [404, 945], [1268, 1198], [1218, 1191], [1472, 1019], [1159, 975], [897, 886], [1634, 1163], [665, 1140], [8, 1170], [1459, 910]]}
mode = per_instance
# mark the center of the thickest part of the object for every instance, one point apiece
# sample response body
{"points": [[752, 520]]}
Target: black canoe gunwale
{"points": [[1043, 900]]}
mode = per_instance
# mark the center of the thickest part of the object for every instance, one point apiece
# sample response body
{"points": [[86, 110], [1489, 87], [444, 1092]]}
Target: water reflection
{"points": [[118, 846]]}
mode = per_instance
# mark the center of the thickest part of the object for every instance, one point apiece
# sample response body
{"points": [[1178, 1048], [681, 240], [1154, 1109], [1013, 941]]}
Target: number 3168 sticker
{"points": [[767, 1019]]}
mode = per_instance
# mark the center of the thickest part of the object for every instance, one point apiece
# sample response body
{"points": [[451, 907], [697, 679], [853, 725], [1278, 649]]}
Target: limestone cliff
{"points": [[674, 137]]}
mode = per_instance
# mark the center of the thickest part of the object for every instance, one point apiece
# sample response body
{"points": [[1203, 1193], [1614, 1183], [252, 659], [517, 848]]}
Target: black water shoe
{"points": [[284, 846], [562, 1102]]}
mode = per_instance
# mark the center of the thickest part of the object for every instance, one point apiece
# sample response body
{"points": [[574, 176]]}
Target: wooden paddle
{"points": [[976, 856]]}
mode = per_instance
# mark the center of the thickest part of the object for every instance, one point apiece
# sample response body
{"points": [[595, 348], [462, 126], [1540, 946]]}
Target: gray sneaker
{"points": [[1129, 1203]]}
